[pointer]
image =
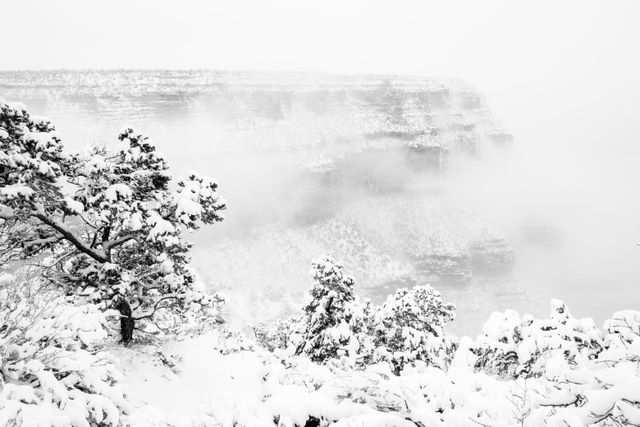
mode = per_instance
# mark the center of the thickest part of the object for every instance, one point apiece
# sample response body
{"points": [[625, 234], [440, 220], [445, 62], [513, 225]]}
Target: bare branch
{"points": [[156, 307]]}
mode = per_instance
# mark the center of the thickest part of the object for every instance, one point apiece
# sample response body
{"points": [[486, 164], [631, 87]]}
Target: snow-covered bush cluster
{"points": [[395, 364], [52, 369], [604, 390], [514, 346], [576, 373], [257, 387], [336, 327]]}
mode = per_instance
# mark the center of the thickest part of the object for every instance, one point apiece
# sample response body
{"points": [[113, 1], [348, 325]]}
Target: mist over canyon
{"points": [[405, 180]]}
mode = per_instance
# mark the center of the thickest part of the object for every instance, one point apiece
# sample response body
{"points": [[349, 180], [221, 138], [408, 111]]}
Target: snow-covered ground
{"points": [[222, 379]]}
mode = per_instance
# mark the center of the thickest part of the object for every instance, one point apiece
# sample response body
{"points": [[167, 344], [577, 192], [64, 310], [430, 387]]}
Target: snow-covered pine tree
{"points": [[409, 326], [331, 315], [110, 219]]}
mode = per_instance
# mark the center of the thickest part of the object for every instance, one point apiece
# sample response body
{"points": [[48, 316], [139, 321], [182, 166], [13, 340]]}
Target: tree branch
{"points": [[575, 402], [105, 233], [43, 241], [156, 308], [70, 237], [110, 244]]}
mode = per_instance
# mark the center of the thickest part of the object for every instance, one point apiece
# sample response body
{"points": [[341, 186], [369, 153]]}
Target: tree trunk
{"points": [[127, 322], [312, 422]]}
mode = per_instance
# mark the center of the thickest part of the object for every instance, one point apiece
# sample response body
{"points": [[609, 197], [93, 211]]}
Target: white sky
{"points": [[483, 39]]}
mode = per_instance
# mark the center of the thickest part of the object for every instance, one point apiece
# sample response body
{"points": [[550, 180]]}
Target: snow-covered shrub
{"points": [[409, 327], [513, 346], [622, 339], [278, 335], [299, 390], [332, 317], [571, 382], [602, 389], [109, 219], [573, 373], [51, 370], [605, 390], [231, 341], [335, 325]]}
